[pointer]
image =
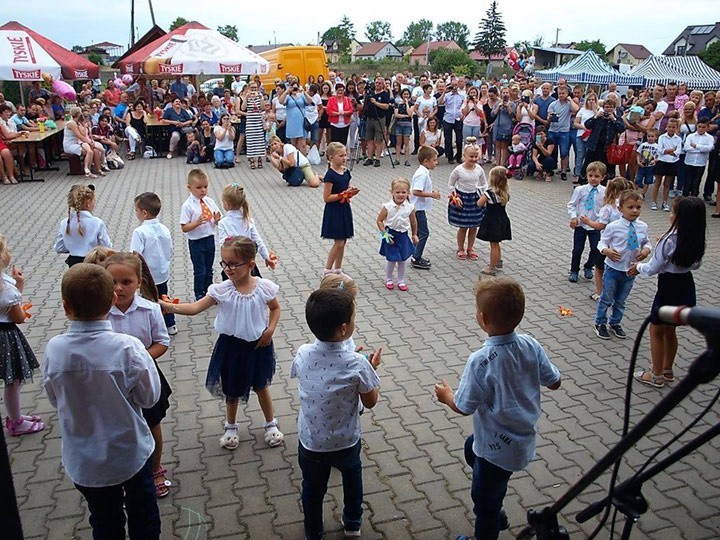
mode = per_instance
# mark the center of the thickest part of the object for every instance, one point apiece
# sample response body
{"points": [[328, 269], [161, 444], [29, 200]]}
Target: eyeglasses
{"points": [[232, 266]]}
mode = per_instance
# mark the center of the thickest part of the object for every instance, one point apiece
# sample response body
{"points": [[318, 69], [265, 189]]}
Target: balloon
{"points": [[119, 82], [47, 78], [513, 64], [513, 55], [127, 78], [64, 90]]}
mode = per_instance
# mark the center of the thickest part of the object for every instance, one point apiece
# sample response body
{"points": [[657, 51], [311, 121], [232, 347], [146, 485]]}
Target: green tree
{"points": [[177, 23], [417, 33], [342, 34], [490, 38], [378, 31], [229, 31], [595, 45], [77, 48], [447, 60], [711, 55], [453, 31], [95, 58]]}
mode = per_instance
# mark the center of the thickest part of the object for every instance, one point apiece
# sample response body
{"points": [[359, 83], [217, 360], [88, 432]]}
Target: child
{"points": [[697, 148], [337, 222], [495, 226], [17, 360], [586, 200], [98, 255], [269, 125], [141, 317], [331, 378], [517, 151], [153, 242], [682, 97], [193, 148], [669, 150], [679, 251], [199, 216], [243, 357], [623, 242], [467, 181], [647, 156], [237, 222], [421, 195], [81, 232], [396, 217], [608, 213], [106, 444], [500, 387]]}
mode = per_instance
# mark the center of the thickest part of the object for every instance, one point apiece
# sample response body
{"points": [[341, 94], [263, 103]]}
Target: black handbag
{"points": [[294, 175]]}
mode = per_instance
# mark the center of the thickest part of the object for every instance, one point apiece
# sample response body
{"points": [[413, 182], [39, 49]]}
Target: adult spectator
{"points": [[111, 95], [39, 92], [142, 90], [57, 108], [122, 108], [526, 109], [103, 133], [492, 100], [340, 110], [452, 122], [219, 90], [377, 103], [473, 117], [503, 115], [670, 94], [4, 101], [710, 113], [208, 114], [352, 93], [76, 140], [417, 93], [559, 113], [295, 99], [604, 127], [426, 106], [544, 156], [285, 156], [254, 105], [687, 126], [206, 137], [224, 142], [217, 106], [543, 101], [432, 136], [179, 121], [158, 92], [612, 87], [135, 120], [634, 134], [661, 105], [191, 90], [403, 113], [237, 85], [324, 122], [279, 109], [7, 164]]}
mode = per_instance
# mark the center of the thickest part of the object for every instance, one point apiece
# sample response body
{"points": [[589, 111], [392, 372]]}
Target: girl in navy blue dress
{"points": [[337, 222]]}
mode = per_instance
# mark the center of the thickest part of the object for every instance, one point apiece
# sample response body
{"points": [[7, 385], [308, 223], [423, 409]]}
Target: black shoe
{"points": [[451, 162], [563, 176], [588, 273], [707, 198], [368, 161], [420, 264], [414, 152], [377, 163], [601, 331], [573, 277], [503, 522], [618, 331]]}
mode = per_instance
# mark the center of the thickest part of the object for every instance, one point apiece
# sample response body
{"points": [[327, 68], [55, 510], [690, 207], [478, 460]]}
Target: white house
{"points": [[378, 50]]}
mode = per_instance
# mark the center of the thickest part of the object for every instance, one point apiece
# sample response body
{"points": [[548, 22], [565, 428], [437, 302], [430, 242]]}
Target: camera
{"points": [[526, 99], [553, 117], [606, 115]]}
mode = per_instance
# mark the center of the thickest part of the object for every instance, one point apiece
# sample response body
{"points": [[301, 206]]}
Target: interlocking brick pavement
{"points": [[416, 483]]}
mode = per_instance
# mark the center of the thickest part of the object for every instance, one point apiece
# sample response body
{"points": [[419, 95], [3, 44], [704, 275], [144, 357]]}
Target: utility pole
{"points": [[152, 12], [132, 23], [557, 36]]}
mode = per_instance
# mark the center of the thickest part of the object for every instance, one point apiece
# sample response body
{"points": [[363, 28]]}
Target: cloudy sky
{"points": [[653, 24]]}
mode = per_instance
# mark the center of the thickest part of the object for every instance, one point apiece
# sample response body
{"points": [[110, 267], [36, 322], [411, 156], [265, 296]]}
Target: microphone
{"points": [[703, 319]]}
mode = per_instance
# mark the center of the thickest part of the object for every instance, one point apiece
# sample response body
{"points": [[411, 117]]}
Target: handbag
{"points": [[294, 175], [619, 154], [307, 126]]}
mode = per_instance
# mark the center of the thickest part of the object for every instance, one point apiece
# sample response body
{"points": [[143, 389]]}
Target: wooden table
{"points": [[35, 138]]}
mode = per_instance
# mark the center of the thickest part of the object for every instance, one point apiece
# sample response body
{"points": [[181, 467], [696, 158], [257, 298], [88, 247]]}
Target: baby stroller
{"points": [[526, 132]]}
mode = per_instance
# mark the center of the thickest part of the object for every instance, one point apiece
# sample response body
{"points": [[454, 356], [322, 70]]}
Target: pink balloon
{"points": [[127, 78], [513, 55], [119, 82], [64, 90]]}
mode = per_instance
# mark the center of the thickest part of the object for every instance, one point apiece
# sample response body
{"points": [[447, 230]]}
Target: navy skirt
{"points": [[154, 415], [337, 222], [17, 360], [468, 215], [673, 290], [400, 250], [236, 366]]}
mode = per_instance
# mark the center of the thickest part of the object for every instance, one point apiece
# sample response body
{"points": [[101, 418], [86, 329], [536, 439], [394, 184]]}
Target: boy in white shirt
{"points": [[669, 149], [198, 219], [331, 378], [153, 242], [697, 148], [99, 381], [624, 242], [421, 195]]}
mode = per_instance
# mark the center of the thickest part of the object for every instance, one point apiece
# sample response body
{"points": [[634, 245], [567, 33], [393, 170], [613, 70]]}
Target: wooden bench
{"points": [[76, 165]]}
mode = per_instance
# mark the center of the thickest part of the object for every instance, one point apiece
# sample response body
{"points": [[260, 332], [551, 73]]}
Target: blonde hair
{"points": [[339, 281], [135, 261], [98, 254], [197, 175], [498, 182], [275, 139], [75, 112], [470, 146], [77, 200], [333, 148], [400, 180], [614, 188], [3, 249], [598, 167], [243, 248], [426, 153], [234, 196]]}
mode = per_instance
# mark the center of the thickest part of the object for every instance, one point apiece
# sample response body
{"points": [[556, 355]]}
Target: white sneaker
{"points": [[172, 330], [665, 207], [653, 206], [671, 194]]}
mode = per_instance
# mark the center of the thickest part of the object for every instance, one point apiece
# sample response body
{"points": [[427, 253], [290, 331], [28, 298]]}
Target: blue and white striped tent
{"points": [[687, 69], [588, 68]]}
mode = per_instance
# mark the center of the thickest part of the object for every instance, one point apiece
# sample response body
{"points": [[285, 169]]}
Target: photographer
{"points": [[452, 123], [559, 113], [473, 117], [604, 127], [377, 103], [295, 98], [503, 114]]}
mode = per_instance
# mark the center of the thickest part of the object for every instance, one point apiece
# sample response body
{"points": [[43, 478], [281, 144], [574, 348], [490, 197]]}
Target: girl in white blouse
{"points": [[243, 357]]}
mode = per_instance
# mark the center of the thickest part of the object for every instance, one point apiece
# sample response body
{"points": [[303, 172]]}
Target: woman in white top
{"points": [[526, 110], [224, 139], [585, 113], [433, 136], [285, 156], [77, 140], [280, 111], [426, 107]]}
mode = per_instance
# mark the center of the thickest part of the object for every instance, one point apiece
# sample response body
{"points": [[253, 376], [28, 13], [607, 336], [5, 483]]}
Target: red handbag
{"points": [[619, 154]]}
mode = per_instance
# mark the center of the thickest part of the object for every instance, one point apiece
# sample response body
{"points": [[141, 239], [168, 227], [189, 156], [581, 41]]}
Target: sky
{"points": [[653, 24]]}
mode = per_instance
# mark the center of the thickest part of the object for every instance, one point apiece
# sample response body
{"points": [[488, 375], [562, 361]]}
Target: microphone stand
{"points": [[627, 497]]}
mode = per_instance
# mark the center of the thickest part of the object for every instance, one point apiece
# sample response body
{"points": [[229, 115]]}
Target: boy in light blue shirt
{"points": [[500, 387]]}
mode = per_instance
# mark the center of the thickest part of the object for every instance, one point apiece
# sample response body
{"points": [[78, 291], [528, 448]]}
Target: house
{"points": [[694, 40], [406, 50], [550, 57], [496, 60], [355, 46], [627, 53], [420, 54], [108, 51], [377, 50], [259, 49], [332, 50]]}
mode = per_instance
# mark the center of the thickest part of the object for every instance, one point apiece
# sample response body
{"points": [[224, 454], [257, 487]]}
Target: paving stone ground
{"points": [[416, 483]]}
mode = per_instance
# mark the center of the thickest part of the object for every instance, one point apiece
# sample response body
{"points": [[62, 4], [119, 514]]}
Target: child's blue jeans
{"points": [[616, 288], [423, 233], [202, 255], [645, 176]]}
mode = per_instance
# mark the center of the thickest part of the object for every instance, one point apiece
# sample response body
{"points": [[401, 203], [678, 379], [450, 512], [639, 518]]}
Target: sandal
{"points": [[13, 180], [6, 181], [101, 173], [402, 287], [461, 254], [668, 375], [273, 436], [648, 378], [259, 163], [472, 255], [595, 296], [131, 155], [252, 163], [162, 487], [89, 174], [389, 285], [23, 426], [230, 441]]}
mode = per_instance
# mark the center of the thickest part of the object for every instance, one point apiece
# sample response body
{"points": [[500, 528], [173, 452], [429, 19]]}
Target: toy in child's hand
{"points": [[26, 309], [455, 199], [565, 312], [165, 298], [386, 236], [346, 195]]}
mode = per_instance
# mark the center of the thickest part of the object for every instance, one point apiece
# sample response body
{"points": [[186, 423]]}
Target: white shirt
{"points": [[398, 216], [615, 236], [244, 316], [662, 107], [311, 111], [9, 296], [431, 138], [576, 206], [666, 142], [152, 240], [300, 159], [99, 381], [661, 263], [330, 380], [237, 87], [609, 213], [423, 104], [191, 210], [143, 320], [233, 224], [583, 115], [698, 156], [468, 180], [94, 234], [280, 109], [421, 181]]}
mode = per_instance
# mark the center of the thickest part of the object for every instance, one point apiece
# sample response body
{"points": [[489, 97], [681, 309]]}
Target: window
{"points": [[680, 50]]}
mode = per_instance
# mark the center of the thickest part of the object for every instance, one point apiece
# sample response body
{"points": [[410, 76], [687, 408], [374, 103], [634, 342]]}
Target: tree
{"points": [[229, 31], [595, 45], [77, 49], [378, 31], [177, 23], [453, 31], [711, 55], [490, 38], [417, 33], [447, 60], [342, 34], [95, 58]]}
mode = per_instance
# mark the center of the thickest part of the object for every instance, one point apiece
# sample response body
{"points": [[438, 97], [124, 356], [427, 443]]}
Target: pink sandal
{"points": [[162, 487], [31, 426], [472, 255]]}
